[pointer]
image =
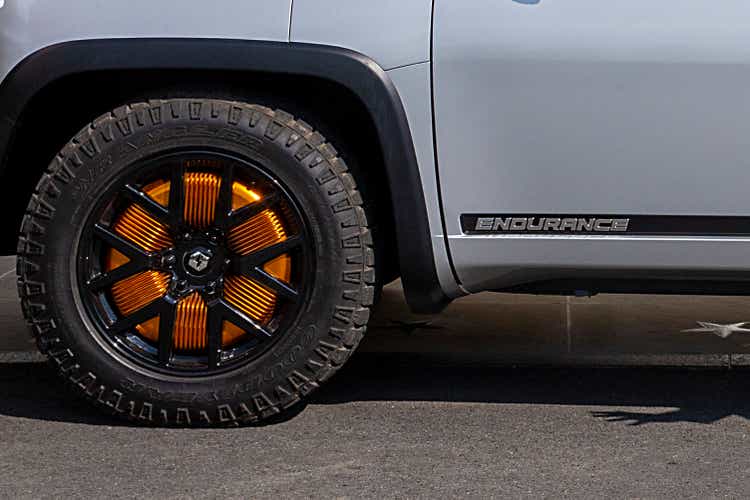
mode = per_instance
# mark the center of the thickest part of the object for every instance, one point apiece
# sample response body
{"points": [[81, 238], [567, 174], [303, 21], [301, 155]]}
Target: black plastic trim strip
{"points": [[644, 225], [362, 76], [436, 156]]}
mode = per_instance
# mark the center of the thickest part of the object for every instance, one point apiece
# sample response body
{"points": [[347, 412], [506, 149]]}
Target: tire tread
{"points": [[351, 314]]}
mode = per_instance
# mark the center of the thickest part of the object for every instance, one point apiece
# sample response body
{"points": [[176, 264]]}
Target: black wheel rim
{"points": [[206, 262]]}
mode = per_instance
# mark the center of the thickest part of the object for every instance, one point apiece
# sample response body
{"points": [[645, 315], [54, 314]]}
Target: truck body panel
{"points": [[570, 108]]}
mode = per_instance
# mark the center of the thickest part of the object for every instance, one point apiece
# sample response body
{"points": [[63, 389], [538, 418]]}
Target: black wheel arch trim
{"points": [[358, 73]]}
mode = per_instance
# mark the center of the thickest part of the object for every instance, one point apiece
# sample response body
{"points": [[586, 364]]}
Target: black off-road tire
{"points": [[329, 328]]}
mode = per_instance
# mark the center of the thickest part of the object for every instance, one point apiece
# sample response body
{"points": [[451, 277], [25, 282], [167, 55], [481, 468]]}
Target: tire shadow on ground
{"points": [[32, 390]]}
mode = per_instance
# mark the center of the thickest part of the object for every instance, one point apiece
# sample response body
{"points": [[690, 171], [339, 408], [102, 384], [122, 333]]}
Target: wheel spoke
{"points": [[109, 278], [246, 263], [122, 245], [241, 320], [273, 283], [139, 259], [177, 195], [157, 211], [167, 315], [214, 325], [244, 213], [224, 200], [143, 314]]}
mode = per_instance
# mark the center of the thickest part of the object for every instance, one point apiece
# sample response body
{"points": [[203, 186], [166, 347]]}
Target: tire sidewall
{"points": [[278, 376]]}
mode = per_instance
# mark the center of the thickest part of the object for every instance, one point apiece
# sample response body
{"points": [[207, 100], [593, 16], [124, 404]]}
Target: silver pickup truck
{"points": [[210, 196]]}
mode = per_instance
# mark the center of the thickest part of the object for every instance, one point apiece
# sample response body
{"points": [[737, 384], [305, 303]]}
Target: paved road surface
{"points": [[404, 427], [409, 418]]}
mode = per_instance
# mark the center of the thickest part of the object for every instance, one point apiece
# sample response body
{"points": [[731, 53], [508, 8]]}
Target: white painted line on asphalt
{"points": [[21, 357]]}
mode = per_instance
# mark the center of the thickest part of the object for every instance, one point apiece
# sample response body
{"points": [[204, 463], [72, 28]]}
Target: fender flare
{"points": [[358, 73]]}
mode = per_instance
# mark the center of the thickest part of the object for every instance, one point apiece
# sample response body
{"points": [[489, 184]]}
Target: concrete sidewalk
{"points": [[502, 328]]}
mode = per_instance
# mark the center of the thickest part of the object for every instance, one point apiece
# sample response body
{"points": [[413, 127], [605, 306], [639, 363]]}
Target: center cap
{"points": [[198, 259]]}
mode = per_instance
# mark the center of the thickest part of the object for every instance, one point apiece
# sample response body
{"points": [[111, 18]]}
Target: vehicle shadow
{"points": [[31, 390], [676, 394]]}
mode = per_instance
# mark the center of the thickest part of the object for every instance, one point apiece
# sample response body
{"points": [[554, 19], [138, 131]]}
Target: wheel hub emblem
{"points": [[199, 259]]}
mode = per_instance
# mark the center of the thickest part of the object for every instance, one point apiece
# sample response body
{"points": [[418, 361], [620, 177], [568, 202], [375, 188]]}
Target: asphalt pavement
{"points": [[449, 406]]}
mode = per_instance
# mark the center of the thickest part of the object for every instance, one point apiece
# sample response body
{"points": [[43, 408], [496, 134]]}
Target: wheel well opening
{"points": [[65, 106]]}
